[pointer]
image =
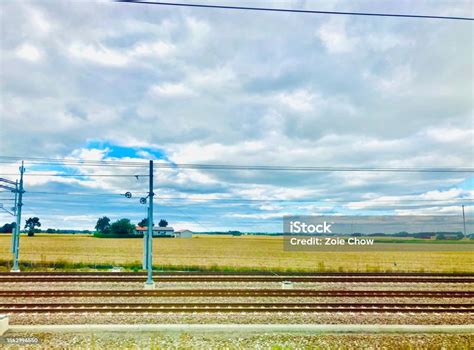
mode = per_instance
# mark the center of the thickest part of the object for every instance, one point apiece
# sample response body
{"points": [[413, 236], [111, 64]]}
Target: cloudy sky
{"points": [[98, 80]]}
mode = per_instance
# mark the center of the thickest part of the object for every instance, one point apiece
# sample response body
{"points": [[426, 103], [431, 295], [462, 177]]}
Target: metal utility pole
{"points": [[16, 241], [15, 210], [464, 220], [149, 237], [145, 243]]}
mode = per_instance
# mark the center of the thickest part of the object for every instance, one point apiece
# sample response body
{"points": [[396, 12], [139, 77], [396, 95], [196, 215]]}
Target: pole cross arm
{"points": [[7, 181], [8, 188], [5, 209]]}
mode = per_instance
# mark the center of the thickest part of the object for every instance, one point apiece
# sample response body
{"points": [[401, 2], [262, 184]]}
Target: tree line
{"points": [[122, 226], [103, 225], [31, 224]]}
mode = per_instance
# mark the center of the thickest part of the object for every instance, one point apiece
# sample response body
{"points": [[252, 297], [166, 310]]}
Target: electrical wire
{"points": [[82, 175], [272, 9], [45, 194], [100, 194], [267, 168], [161, 165]]}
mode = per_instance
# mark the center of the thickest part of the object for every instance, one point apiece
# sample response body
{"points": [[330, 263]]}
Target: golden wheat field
{"points": [[226, 252]]}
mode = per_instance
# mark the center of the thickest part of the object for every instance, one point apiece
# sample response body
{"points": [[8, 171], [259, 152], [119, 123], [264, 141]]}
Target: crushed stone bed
{"points": [[248, 318], [248, 299], [110, 340], [230, 285]]}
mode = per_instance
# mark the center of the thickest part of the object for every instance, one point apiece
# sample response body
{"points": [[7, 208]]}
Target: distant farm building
{"points": [[183, 234], [449, 236], [157, 231]]}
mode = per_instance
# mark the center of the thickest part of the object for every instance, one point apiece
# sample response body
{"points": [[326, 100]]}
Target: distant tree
{"points": [[440, 236], [143, 223], [402, 234], [122, 227], [163, 223], [103, 225], [236, 233], [30, 224], [8, 228], [424, 235]]}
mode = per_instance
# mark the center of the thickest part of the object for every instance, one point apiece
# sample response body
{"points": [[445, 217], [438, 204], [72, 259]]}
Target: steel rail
{"points": [[208, 309], [240, 279], [231, 305], [234, 293], [217, 273]]}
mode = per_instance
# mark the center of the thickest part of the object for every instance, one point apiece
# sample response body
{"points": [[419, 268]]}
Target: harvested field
{"points": [[225, 253]]}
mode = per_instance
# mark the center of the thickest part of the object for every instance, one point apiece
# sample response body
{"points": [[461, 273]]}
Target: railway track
{"points": [[239, 279], [214, 273], [131, 303], [234, 293], [233, 307]]}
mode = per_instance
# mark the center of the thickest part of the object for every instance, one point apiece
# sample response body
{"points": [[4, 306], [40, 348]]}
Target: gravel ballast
{"points": [[185, 340], [247, 318]]}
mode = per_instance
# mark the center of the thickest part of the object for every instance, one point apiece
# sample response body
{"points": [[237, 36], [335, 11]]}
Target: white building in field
{"points": [[183, 234], [157, 231]]}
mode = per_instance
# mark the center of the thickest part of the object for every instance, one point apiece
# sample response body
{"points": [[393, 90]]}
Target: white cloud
{"points": [[397, 80], [153, 49], [381, 42], [433, 199], [334, 37], [29, 52], [436, 210], [101, 54], [450, 135], [171, 90], [89, 154], [199, 28], [221, 88], [219, 77], [40, 21], [98, 54], [300, 100]]}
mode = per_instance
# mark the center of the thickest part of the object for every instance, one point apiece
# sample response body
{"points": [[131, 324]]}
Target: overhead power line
{"points": [[45, 194], [313, 168], [373, 200], [81, 164], [168, 165], [91, 194], [82, 175], [319, 12], [245, 204], [72, 162]]}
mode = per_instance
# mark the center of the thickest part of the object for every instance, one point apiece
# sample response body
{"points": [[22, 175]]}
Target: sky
{"points": [[99, 80]]}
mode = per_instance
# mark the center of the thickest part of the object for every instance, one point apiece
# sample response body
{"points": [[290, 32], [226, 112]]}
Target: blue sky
{"points": [[100, 80]]}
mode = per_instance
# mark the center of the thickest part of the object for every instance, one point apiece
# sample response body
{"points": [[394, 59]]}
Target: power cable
{"points": [[119, 163], [271, 9], [240, 199]]}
